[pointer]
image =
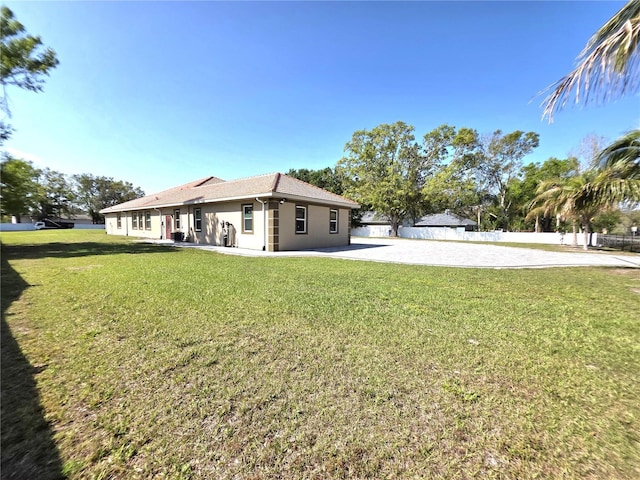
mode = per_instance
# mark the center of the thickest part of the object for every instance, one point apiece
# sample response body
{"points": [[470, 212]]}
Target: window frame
{"points": [[118, 220], [304, 220], [140, 220], [332, 222], [197, 219], [147, 220], [176, 219], [244, 218], [134, 221]]}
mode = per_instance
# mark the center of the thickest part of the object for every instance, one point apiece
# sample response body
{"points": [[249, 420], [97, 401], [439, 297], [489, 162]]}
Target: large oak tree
{"points": [[385, 169]]}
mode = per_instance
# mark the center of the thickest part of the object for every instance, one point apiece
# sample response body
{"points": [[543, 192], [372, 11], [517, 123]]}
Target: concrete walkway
{"points": [[450, 254]]}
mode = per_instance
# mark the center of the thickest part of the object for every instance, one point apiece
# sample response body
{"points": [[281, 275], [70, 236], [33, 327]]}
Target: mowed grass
{"points": [[153, 362]]}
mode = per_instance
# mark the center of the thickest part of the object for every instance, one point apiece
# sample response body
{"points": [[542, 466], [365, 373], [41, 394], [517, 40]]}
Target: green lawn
{"points": [[126, 360]]}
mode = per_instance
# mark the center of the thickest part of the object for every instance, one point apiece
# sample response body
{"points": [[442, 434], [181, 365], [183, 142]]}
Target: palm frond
{"points": [[606, 68], [622, 157]]}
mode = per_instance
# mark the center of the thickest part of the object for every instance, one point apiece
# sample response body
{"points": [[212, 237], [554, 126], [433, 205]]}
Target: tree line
{"points": [[477, 176], [48, 194]]}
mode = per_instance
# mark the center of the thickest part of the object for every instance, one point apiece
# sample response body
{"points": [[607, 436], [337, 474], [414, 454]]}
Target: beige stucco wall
{"points": [[126, 228], [213, 215], [317, 235]]}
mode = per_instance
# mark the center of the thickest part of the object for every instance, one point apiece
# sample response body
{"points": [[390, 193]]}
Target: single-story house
{"points": [[273, 212], [446, 219]]}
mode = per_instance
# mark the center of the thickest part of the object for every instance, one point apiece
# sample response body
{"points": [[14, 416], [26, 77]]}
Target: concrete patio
{"points": [[438, 253]]}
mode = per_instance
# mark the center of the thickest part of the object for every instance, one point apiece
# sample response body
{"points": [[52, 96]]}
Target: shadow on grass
{"points": [[79, 249], [28, 449]]}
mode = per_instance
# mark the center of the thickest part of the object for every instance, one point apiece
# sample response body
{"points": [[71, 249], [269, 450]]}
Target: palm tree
{"points": [[619, 165], [553, 200], [607, 67], [572, 199]]}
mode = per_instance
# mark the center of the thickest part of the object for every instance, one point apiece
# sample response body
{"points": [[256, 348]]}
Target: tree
{"points": [[95, 193], [445, 185], [385, 168], [606, 221], [619, 164], [500, 161], [524, 190], [452, 188], [19, 187], [607, 66], [573, 199], [326, 178], [453, 185], [56, 196], [607, 69], [614, 178], [23, 63], [589, 148]]}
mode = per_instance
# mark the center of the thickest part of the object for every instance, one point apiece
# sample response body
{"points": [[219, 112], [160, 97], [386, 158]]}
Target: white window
{"points": [[119, 220], [197, 219], [333, 221], [176, 220], [247, 218], [147, 220], [301, 219], [134, 221]]}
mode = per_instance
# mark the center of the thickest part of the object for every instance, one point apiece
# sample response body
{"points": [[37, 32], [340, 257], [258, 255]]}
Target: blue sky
{"points": [[161, 93]]}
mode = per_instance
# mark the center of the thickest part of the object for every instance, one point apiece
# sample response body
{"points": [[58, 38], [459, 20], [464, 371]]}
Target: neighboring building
{"points": [[370, 219], [446, 219], [79, 219], [374, 218], [273, 212]]}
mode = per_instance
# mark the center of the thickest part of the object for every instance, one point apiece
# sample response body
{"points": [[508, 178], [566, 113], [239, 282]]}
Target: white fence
{"points": [[21, 227], [445, 233], [424, 233]]}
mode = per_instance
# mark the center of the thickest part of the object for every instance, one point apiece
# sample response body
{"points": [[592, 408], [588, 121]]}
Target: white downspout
{"points": [[264, 225]]}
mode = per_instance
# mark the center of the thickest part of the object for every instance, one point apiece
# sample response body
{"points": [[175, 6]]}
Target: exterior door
{"points": [[168, 222]]}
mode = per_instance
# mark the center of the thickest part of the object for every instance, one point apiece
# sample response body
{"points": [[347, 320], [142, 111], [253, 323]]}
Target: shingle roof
{"points": [[213, 189], [373, 218], [445, 219]]}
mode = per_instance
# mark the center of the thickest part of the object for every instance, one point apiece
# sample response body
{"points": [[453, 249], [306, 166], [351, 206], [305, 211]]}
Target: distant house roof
{"points": [[373, 218], [213, 189], [445, 219]]}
